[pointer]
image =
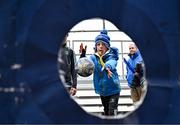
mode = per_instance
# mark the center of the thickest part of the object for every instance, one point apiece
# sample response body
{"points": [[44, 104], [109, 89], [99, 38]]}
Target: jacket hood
{"points": [[115, 52]]}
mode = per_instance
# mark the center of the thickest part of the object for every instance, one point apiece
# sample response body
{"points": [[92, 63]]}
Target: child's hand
{"points": [[82, 50], [109, 73], [136, 74]]}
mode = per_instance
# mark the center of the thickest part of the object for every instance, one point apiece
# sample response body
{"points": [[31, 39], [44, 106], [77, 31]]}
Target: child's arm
{"points": [[111, 64], [109, 73]]}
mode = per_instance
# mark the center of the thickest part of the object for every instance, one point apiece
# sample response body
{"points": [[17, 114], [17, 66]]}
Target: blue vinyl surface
{"points": [[30, 35]]}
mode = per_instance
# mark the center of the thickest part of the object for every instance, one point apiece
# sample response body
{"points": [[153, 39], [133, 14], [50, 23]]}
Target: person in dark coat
{"points": [[66, 61]]}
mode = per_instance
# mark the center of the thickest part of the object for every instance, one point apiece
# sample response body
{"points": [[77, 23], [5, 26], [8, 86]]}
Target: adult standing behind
{"points": [[105, 76], [67, 70], [135, 72]]}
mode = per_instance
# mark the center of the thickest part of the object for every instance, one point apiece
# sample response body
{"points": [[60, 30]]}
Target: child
{"points": [[105, 77]]}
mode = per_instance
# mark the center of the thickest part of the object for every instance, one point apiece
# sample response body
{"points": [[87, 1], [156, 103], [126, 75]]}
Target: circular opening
{"points": [[92, 96]]}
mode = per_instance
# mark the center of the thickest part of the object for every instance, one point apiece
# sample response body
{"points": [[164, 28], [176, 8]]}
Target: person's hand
{"points": [[73, 91], [136, 74], [109, 73], [82, 50]]}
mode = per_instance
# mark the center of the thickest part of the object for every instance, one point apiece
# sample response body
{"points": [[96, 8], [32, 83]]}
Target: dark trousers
{"points": [[110, 104]]}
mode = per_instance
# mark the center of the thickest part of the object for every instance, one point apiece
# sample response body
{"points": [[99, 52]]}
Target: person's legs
{"points": [[105, 100], [139, 91], [135, 95], [113, 104], [143, 90]]}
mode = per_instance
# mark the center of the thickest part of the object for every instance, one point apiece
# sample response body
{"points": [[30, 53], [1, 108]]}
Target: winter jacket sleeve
{"points": [[112, 59], [73, 71], [111, 64]]}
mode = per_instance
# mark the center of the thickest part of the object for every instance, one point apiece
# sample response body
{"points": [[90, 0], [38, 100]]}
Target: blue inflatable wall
{"points": [[30, 35]]}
